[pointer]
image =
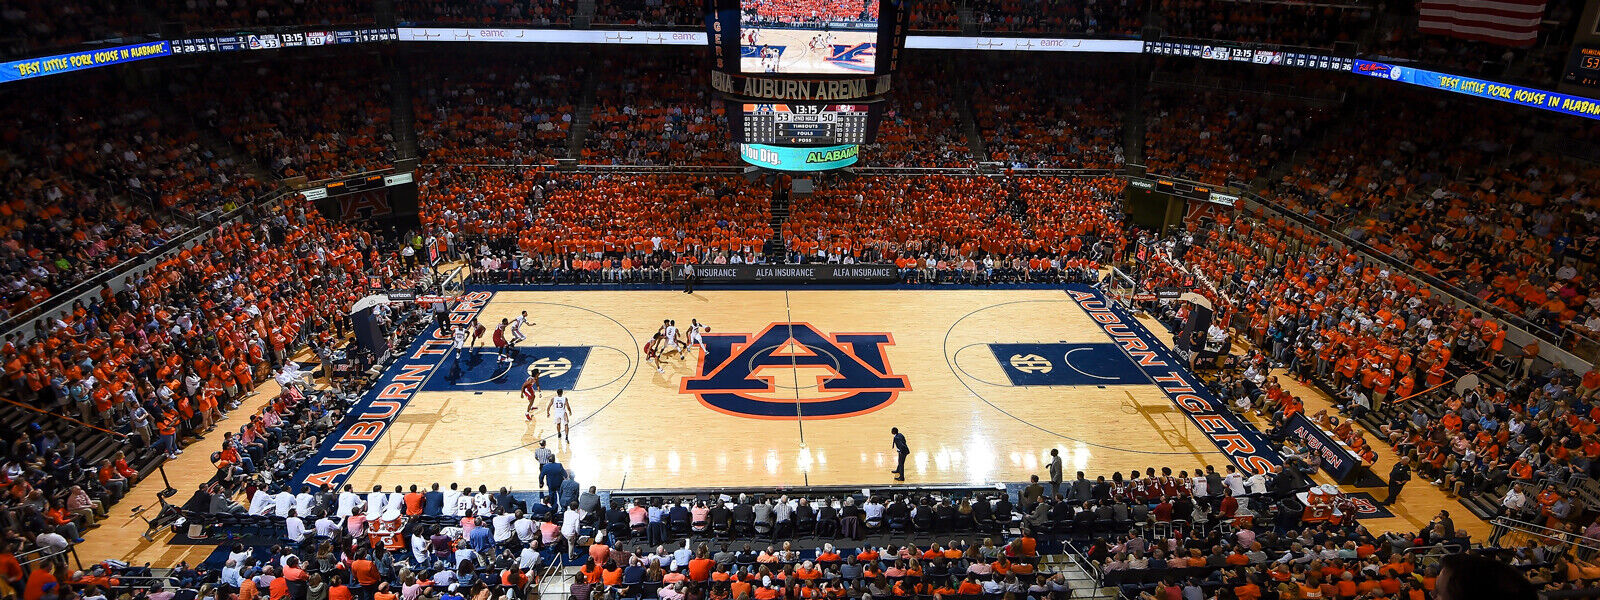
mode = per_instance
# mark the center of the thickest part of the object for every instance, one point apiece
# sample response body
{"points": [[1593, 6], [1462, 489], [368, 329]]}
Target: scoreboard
{"points": [[804, 83], [804, 124], [1583, 68]]}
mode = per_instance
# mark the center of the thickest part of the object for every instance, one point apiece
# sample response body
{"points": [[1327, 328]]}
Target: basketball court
{"points": [[849, 53], [792, 388]]}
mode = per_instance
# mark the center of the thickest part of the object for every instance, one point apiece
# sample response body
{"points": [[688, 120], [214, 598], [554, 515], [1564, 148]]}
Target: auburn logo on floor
{"points": [[794, 371]]}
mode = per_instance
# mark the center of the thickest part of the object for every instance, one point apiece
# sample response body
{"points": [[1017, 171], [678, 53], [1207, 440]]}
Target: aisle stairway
{"points": [[964, 91], [774, 249], [1081, 582], [91, 446], [579, 132]]}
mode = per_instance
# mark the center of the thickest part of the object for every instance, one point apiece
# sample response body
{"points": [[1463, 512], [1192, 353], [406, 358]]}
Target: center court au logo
{"points": [[748, 376]]}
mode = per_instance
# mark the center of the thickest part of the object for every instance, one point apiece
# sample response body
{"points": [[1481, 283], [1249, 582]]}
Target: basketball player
{"points": [[530, 391], [516, 327], [477, 331], [500, 344], [563, 410], [695, 329], [652, 350], [458, 341], [670, 329], [769, 59], [673, 346]]}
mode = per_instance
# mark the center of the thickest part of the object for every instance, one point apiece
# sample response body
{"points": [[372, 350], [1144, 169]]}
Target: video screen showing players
{"points": [[808, 37]]}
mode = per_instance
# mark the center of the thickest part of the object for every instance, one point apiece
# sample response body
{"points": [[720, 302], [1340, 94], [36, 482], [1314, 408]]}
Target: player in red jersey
{"points": [[652, 350], [500, 344], [530, 391], [477, 331]]}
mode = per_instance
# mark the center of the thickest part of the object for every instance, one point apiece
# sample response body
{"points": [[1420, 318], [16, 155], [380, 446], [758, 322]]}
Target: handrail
{"points": [[548, 576], [70, 549], [1087, 566], [58, 299], [1504, 525], [1448, 548], [65, 418]]}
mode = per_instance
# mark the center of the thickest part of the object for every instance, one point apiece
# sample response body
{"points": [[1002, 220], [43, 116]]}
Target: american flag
{"points": [[1504, 22]]}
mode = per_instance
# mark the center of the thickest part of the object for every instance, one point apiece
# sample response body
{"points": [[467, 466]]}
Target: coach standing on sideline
{"points": [[551, 474], [688, 278], [1398, 476], [1054, 469], [901, 450]]}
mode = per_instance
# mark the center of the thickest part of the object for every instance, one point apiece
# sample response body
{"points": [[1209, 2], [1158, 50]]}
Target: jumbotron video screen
{"points": [[808, 37]]}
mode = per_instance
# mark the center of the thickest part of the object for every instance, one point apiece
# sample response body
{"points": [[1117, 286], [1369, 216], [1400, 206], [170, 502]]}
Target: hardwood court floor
{"points": [[637, 429], [118, 536], [642, 427]]}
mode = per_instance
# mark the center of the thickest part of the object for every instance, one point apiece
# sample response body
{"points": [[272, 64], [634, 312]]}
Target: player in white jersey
{"points": [[562, 411], [695, 329], [669, 328], [516, 327], [458, 341]]}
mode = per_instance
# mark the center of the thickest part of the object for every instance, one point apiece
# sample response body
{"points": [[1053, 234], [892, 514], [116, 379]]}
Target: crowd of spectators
{"points": [[1388, 350], [935, 15], [1035, 116], [32, 27], [492, 111], [1220, 137], [465, 542], [879, 219], [809, 11], [921, 126], [294, 125], [95, 182], [526, 13], [160, 361], [1456, 194], [529, 225], [1079, 17], [1231, 534], [940, 228], [650, 13], [656, 110]]}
